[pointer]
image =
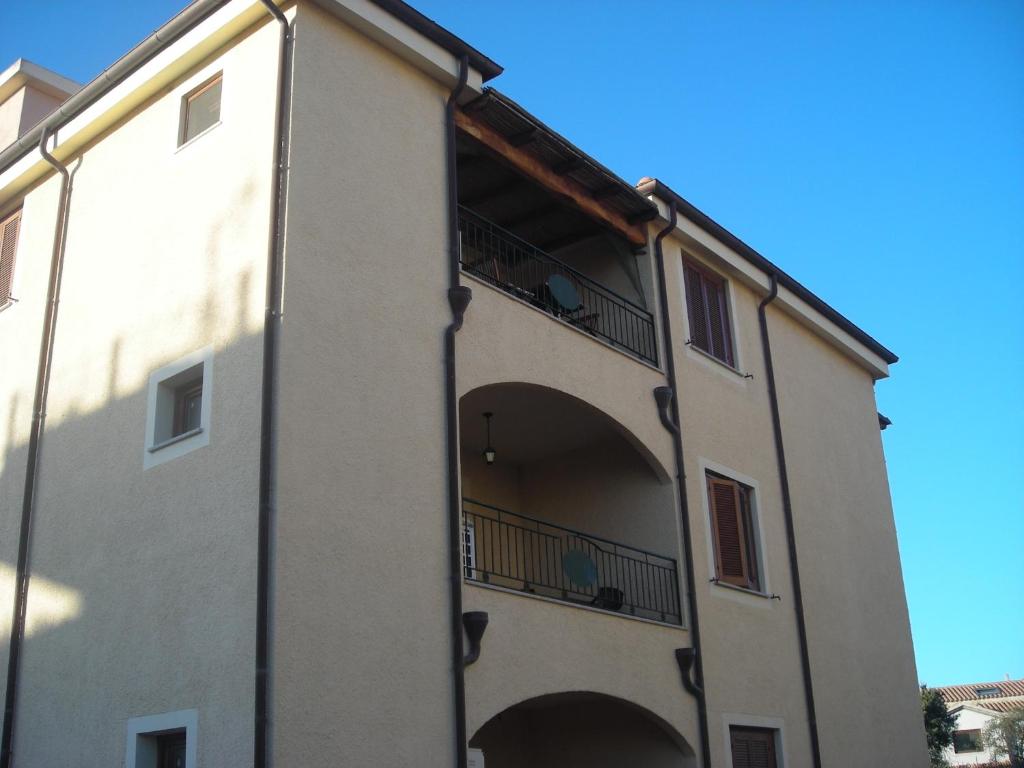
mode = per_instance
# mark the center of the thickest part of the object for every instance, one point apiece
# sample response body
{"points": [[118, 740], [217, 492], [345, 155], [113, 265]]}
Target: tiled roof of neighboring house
{"points": [[982, 691], [1002, 705]]}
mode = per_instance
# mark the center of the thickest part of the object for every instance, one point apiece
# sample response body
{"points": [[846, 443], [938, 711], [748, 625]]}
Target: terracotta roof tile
{"points": [[970, 692]]}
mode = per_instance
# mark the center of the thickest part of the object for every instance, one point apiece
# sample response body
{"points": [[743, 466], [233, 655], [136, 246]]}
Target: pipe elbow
{"points": [[685, 658], [475, 624], [663, 397]]}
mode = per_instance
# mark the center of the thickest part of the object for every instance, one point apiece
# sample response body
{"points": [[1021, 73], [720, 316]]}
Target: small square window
{"points": [[707, 310], [967, 741], [162, 741], [734, 527], [9, 227], [200, 109], [178, 419]]}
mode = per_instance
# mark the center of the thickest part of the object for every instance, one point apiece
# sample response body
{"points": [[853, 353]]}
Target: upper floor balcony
{"points": [[523, 270], [544, 223]]}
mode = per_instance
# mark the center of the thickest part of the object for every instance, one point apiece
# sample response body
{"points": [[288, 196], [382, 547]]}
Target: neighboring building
{"points": [[974, 706], [250, 487]]}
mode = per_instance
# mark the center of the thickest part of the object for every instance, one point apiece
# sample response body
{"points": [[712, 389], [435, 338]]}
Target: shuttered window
{"points": [[708, 313], [9, 227], [732, 523], [752, 747]]}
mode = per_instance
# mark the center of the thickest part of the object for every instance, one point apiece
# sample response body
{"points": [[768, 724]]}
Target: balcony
{"points": [[522, 270], [563, 502], [517, 552]]}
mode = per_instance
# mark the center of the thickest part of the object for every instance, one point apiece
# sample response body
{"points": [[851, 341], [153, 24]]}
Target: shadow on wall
{"points": [[580, 730]]}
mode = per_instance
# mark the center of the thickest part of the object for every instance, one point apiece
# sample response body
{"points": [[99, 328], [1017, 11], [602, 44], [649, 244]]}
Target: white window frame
{"points": [[194, 84], [729, 590], [775, 724], [139, 748], [157, 403], [468, 541]]}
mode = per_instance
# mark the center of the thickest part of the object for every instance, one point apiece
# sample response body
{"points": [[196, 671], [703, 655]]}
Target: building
{"points": [[317, 349], [974, 705]]}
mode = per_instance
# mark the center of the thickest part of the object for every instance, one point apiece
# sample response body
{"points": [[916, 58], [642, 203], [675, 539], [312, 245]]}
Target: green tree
{"points": [[938, 725], [1004, 736]]}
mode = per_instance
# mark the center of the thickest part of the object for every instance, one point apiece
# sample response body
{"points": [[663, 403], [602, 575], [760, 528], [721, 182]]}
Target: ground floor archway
{"points": [[580, 730]]}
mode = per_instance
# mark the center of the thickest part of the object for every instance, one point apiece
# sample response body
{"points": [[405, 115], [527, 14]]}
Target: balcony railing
{"points": [[522, 270], [517, 552]]}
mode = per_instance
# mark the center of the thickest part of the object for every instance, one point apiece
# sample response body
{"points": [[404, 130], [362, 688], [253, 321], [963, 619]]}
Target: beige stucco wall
{"points": [[848, 560], [142, 598], [361, 643], [858, 626], [751, 661], [10, 117]]}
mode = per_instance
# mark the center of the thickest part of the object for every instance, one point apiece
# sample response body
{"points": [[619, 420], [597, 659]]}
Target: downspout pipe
{"points": [[668, 410], [787, 507], [268, 397], [28, 499], [459, 297]]}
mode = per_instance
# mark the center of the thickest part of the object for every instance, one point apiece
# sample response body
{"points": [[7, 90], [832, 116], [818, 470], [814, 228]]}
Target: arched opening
{"points": [[580, 730], [561, 501]]}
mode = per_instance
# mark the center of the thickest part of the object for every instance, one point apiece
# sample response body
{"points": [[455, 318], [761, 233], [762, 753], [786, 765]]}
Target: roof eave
{"points": [[685, 208]]}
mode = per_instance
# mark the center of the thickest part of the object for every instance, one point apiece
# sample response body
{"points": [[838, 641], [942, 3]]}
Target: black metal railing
{"points": [[528, 555], [522, 270]]}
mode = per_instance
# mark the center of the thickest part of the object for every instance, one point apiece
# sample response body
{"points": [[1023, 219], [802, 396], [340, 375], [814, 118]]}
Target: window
{"points": [[188, 406], [967, 741], [200, 109], [469, 548], [752, 747], [170, 750], [988, 691], [708, 313], [178, 419], [162, 741], [9, 227], [732, 523]]}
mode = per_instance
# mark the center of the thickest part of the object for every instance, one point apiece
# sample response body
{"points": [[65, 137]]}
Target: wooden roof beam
{"points": [[563, 187]]}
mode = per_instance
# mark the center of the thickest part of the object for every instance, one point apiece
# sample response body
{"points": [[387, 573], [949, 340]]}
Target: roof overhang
{"points": [[24, 72], [194, 34], [697, 228], [550, 159]]}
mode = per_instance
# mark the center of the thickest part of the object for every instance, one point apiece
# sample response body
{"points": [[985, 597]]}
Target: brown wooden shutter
{"points": [[718, 322], [8, 246], [752, 748], [730, 535], [696, 307]]}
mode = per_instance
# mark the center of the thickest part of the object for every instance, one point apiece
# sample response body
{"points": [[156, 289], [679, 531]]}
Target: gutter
{"points": [[28, 500], [459, 297], [111, 77], [193, 14], [720, 233], [268, 396], [787, 507], [668, 410]]}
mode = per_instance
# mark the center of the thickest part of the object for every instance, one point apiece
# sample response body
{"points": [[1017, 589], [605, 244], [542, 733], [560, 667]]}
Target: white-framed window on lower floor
{"points": [[166, 740], [735, 539], [178, 408], [753, 741]]}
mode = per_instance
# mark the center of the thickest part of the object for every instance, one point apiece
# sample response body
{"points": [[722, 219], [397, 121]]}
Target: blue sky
{"points": [[874, 150]]}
